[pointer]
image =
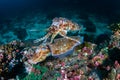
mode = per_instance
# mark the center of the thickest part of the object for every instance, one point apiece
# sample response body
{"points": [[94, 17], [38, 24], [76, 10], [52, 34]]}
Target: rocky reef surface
{"points": [[23, 59]]}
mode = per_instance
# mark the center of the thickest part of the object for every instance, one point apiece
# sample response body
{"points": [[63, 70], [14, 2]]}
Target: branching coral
{"points": [[62, 58]]}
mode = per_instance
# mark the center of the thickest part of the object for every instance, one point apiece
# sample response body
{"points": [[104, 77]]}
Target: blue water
{"points": [[28, 20], [18, 17]]}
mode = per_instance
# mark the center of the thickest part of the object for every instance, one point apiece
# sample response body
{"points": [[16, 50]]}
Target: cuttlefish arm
{"points": [[43, 38]]}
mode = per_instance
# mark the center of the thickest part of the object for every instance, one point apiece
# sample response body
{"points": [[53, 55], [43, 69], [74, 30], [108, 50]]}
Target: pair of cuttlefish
{"points": [[61, 46]]}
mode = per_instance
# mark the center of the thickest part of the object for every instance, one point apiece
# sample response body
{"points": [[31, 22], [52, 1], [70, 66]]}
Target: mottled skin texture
{"points": [[59, 47], [40, 54], [60, 26]]}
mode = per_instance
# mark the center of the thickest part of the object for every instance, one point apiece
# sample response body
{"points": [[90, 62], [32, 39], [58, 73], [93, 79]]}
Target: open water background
{"points": [[17, 17]]}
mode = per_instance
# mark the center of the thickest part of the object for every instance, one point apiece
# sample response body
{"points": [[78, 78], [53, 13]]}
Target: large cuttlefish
{"points": [[60, 26], [60, 48]]}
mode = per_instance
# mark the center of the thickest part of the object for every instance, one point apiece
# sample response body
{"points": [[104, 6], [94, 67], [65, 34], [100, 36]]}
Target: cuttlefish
{"points": [[63, 47], [60, 26], [41, 53], [60, 48]]}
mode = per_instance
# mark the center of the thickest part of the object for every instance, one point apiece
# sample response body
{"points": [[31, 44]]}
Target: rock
{"points": [[21, 33]]}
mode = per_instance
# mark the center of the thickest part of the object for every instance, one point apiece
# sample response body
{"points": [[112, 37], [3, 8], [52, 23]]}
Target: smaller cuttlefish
{"points": [[60, 26]]}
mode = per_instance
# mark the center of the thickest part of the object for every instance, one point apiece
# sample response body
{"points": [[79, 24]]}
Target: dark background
{"points": [[94, 15], [107, 8]]}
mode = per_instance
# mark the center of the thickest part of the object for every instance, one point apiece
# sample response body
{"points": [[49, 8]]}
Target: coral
{"points": [[114, 27], [115, 38], [10, 57], [37, 73], [61, 59]]}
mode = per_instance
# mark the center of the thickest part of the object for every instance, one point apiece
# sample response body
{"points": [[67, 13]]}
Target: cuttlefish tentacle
{"points": [[43, 38], [53, 36]]}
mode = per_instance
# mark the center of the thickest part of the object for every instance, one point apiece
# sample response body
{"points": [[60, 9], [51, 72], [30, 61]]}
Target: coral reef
{"points": [[61, 58], [115, 27], [10, 57]]}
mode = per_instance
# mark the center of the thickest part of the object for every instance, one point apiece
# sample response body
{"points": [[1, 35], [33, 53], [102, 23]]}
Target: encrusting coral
{"points": [[67, 58]]}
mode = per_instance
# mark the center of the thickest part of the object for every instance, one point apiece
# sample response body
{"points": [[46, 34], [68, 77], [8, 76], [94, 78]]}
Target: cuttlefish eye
{"points": [[56, 23], [76, 26]]}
